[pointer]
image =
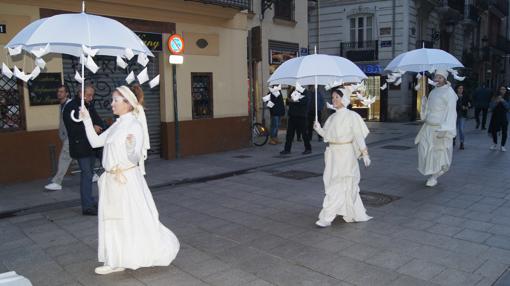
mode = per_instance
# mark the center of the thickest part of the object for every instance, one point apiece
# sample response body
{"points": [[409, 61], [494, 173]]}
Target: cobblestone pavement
{"points": [[257, 228]]}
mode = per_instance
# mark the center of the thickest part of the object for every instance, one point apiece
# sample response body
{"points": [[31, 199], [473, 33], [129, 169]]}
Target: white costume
{"points": [[130, 233], [345, 133], [435, 138]]}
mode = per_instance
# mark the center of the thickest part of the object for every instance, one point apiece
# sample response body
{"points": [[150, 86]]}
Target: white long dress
{"points": [[130, 233], [435, 138], [345, 132]]}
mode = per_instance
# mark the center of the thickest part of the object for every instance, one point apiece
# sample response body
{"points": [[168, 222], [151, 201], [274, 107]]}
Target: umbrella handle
{"points": [[75, 119]]}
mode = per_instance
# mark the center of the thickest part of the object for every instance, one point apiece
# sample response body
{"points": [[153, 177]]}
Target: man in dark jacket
{"points": [[80, 149], [481, 98], [277, 111], [297, 121], [311, 110]]}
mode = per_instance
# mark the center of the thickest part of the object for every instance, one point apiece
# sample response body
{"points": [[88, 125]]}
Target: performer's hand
{"points": [[440, 134], [317, 125], [98, 129], [130, 141], [84, 113], [366, 160]]}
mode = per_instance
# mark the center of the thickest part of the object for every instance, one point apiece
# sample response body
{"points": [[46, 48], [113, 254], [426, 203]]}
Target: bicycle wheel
{"points": [[260, 134]]}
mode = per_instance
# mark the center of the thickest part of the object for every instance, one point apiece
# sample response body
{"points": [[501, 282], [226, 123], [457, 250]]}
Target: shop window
{"points": [[284, 9], [202, 95], [11, 105]]}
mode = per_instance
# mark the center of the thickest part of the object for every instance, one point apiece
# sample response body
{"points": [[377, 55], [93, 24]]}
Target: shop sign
{"points": [[371, 68], [153, 41], [279, 57], [43, 89], [385, 44], [303, 52]]}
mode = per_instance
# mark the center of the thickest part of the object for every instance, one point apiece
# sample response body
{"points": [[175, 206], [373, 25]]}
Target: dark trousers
{"points": [[504, 135], [309, 127], [484, 116], [295, 124], [86, 166]]}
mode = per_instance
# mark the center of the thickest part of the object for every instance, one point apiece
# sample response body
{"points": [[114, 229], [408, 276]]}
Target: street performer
{"points": [[435, 138]]}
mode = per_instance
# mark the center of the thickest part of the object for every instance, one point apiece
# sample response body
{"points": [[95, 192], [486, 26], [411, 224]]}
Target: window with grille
{"points": [[11, 105], [284, 9], [202, 95]]}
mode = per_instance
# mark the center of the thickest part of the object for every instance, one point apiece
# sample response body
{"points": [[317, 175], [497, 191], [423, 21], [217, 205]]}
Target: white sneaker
{"points": [[95, 178], [494, 147], [102, 270], [322, 223], [431, 182], [53, 187], [503, 149]]}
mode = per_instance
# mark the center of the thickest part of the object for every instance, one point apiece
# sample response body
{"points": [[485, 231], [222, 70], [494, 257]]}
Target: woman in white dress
{"points": [[345, 133], [130, 233]]}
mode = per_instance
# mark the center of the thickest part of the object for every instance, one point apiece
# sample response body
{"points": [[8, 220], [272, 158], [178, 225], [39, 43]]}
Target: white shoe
{"points": [[494, 147], [53, 187], [322, 223], [103, 270], [95, 178], [431, 182], [503, 149]]}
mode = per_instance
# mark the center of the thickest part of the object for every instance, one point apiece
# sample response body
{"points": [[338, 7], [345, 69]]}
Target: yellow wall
{"points": [[16, 17], [228, 63], [230, 91]]}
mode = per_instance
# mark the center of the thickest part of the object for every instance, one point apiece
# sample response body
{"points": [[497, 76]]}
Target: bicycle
{"points": [[260, 134]]}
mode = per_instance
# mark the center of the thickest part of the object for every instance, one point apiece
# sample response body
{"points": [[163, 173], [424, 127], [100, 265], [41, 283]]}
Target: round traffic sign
{"points": [[175, 44]]}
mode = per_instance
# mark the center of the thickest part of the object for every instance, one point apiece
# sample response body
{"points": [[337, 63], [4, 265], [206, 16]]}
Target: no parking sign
{"points": [[176, 44]]}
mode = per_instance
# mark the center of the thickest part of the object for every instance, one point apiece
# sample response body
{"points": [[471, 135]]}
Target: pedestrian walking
{"points": [[130, 233], [277, 111], [481, 99], [499, 106], [344, 133], [296, 115], [80, 149], [64, 159], [435, 138], [463, 105]]}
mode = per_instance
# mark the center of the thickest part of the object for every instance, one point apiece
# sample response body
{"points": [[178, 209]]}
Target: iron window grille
{"points": [[11, 105]]}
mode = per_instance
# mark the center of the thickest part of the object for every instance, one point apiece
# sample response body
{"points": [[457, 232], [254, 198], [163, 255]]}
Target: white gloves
{"points": [[366, 160], [317, 126], [440, 134], [84, 113]]}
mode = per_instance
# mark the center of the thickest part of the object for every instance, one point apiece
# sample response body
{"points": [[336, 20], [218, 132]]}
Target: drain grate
{"points": [[377, 199], [396, 147], [297, 175], [241, 156]]}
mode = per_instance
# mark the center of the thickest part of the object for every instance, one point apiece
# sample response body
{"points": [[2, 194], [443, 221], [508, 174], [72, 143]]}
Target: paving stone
{"points": [[404, 280], [473, 235], [389, 260], [492, 269], [444, 229], [421, 269], [230, 277], [452, 277], [501, 241]]}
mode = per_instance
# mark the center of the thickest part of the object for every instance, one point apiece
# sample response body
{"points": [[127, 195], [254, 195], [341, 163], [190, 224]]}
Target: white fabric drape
{"points": [[130, 233], [341, 173]]}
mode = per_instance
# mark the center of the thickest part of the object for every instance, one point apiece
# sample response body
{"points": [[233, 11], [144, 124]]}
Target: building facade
{"points": [[278, 32], [372, 33], [211, 103]]}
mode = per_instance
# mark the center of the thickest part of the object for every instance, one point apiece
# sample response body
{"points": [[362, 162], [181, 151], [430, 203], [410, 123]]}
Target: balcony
{"points": [[360, 51], [237, 4]]}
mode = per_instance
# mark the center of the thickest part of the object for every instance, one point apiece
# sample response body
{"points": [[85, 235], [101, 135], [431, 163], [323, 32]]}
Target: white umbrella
{"points": [[317, 69], [79, 34], [421, 60]]}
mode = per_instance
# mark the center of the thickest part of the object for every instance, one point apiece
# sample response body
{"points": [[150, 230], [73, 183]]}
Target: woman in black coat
{"points": [[277, 111], [499, 121]]}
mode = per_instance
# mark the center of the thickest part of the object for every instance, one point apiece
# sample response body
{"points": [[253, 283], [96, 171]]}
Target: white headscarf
{"points": [[139, 114]]}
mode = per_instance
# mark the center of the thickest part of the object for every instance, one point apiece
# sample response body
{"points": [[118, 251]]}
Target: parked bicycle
{"points": [[260, 134]]}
